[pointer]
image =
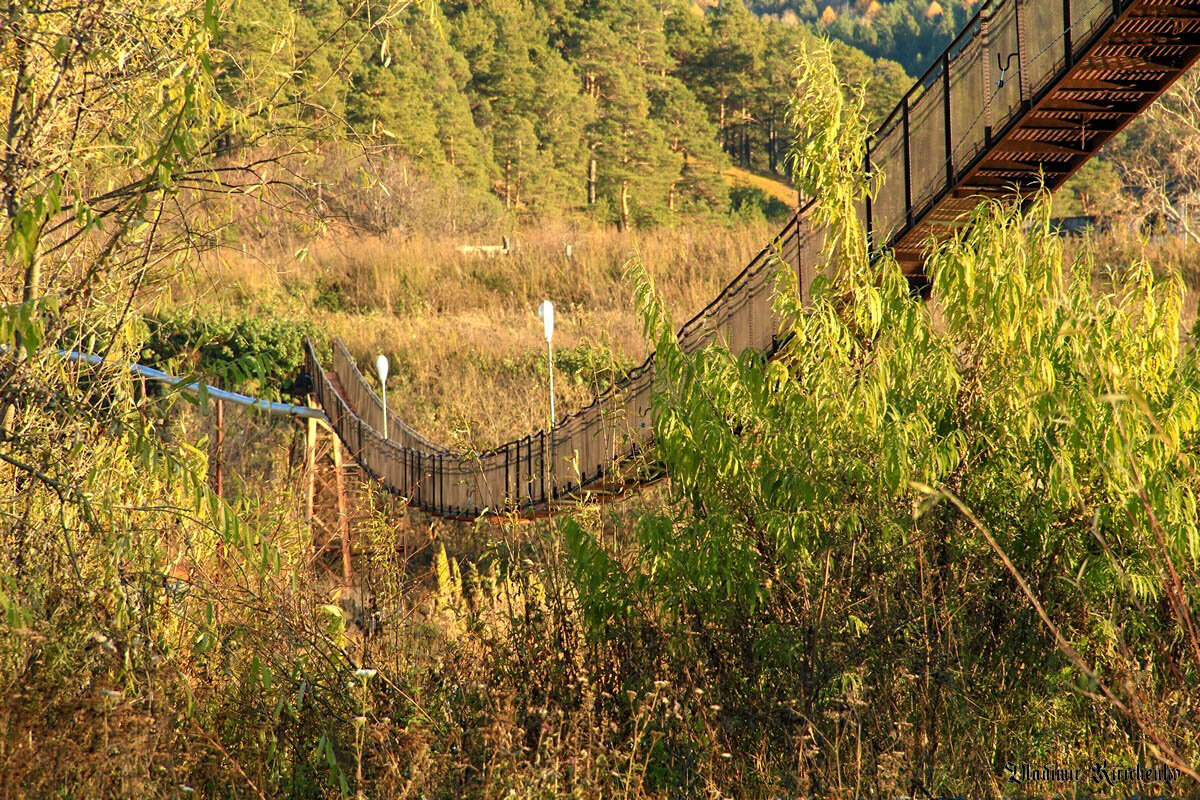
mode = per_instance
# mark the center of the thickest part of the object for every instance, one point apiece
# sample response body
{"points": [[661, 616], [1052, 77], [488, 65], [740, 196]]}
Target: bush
{"points": [[250, 354], [751, 204], [590, 365], [395, 195]]}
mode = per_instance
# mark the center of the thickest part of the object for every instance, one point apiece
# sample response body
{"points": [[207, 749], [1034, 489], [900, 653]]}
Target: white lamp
{"points": [[545, 313], [381, 367]]}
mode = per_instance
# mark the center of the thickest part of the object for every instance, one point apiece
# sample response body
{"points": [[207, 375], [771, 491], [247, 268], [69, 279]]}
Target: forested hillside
{"points": [[629, 108], [911, 32]]}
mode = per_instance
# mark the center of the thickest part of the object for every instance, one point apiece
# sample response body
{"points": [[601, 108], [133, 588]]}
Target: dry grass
{"points": [[460, 330], [1116, 250], [480, 693], [772, 187], [467, 355]]}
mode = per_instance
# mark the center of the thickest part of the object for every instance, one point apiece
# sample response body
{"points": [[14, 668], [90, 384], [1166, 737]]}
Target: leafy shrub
{"points": [[902, 530], [393, 194], [244, 353], [749, 204], [591, 365]]}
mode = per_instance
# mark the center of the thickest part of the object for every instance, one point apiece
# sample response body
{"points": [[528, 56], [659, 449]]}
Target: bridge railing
{"points": [[366, 403], [996, 68], [993, 71], [966, 107]]}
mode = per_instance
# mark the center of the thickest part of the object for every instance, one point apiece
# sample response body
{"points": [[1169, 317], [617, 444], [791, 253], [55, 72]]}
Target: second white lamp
{"points": [[381, 367], [545, 313]]}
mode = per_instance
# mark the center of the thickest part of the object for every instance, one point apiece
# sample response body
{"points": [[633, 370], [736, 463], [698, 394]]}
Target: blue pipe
{"points": [[231, 397]]}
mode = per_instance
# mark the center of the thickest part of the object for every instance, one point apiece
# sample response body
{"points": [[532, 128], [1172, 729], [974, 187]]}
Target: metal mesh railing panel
{"points": [[927, 126], [1043, 46], [1087, 18], [1002, 43], [968, 92], [888, 210]]}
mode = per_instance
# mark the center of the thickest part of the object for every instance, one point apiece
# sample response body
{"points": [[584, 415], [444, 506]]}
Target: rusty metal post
{"points": [[1022, 54], [987, 82], [310, 464], [869, 213], [217, 448], [1068, 46], [343, 526]]}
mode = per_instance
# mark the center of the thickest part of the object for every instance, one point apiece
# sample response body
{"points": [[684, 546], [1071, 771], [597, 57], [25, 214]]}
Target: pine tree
{"points": [[733, 65], [691, 136], [446, 77], [530, 98], [620, 49], [526, 97]]}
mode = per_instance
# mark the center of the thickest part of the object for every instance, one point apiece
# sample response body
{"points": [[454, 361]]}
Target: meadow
{"points": [[460, 330]]}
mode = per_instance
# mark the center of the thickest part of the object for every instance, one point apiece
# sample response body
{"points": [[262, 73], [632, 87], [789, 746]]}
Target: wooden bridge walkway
{"points": [[1023, 96]]}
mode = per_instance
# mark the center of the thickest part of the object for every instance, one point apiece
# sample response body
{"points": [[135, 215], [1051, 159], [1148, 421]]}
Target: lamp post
{"points": [[545, 313], [381, 367]]}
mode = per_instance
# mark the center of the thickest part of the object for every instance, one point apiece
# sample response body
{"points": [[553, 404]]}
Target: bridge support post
{"points": [[343, 527], [1023, 54], [310, 463], [1068, 47], [325, 501], [869, 212], [987, 83], [217, 449]]}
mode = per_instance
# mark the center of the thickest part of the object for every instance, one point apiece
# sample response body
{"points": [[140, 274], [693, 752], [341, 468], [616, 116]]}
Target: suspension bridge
{"points": [[1023, 96]]}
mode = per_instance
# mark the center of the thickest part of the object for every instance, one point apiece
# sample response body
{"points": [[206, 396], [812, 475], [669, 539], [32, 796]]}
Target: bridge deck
{"points": [[1078, 71]]}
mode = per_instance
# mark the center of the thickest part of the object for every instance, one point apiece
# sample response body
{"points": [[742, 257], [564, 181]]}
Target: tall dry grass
{"points": [[465, 344], [468, 359], [1115, 250]]}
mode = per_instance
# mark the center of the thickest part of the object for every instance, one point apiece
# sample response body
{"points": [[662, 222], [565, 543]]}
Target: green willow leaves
{"points": [[807, 560]]}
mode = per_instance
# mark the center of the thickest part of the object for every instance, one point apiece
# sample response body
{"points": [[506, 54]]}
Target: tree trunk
{"points": [[772, 158], [12, 158], [745, 137], [32, 278], [624, 205], [520, 152], [591, 181], [723, 128], [508, 183]]}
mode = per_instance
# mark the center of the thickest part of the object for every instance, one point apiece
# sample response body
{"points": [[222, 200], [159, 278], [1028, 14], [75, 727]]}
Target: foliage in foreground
{"points": [[247, 354], [927, 541]]}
